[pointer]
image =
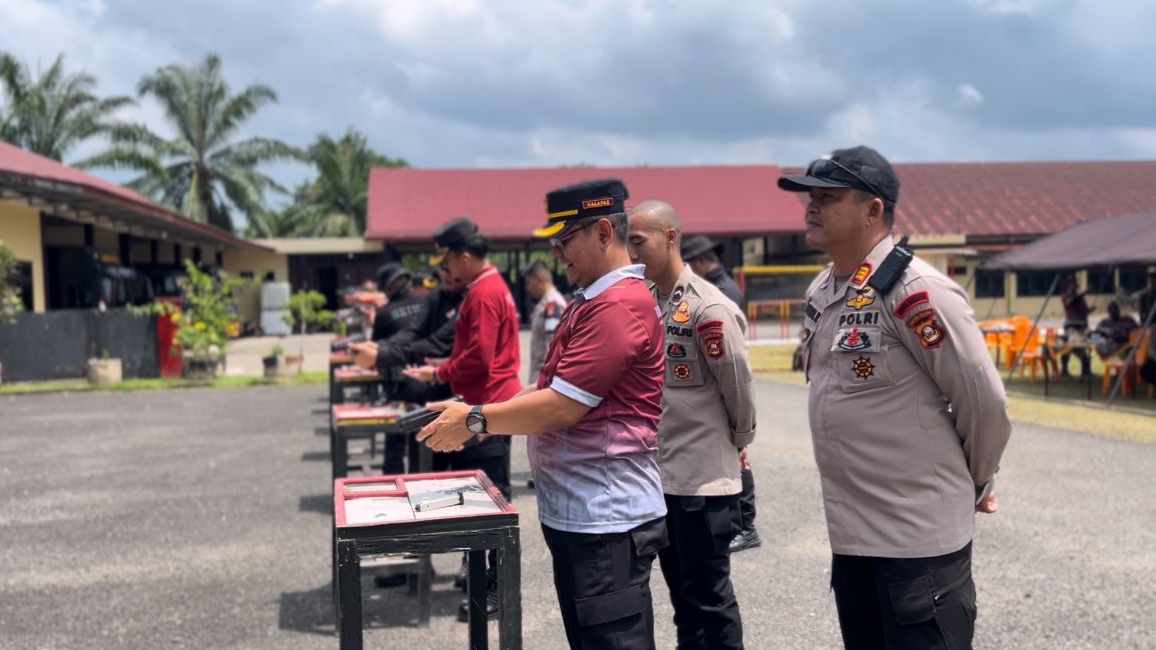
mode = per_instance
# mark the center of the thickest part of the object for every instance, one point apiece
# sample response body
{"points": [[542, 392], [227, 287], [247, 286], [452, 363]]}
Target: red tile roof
{"points": [[1023, 198], [34, 175], [408, 204]]}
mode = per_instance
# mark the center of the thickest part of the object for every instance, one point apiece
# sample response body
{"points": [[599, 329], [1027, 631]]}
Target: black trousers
{"points": [[697, 568], [495, 467], [603, 585], [747, 500], [905, 603]]}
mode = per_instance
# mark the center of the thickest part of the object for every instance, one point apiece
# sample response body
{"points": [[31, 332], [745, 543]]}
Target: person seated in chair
{"points": [[1113, 331]]}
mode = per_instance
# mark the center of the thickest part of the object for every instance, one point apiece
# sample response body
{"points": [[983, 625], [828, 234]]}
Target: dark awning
{"points": [[1127, 239]]}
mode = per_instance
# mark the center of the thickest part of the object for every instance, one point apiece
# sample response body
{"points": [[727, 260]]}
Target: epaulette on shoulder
{"points": [[891, 269]]}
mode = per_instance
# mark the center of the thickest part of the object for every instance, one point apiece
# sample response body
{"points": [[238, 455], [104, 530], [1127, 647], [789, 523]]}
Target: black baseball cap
{"points": [[860, 167], [452, 235], [568, 206]]}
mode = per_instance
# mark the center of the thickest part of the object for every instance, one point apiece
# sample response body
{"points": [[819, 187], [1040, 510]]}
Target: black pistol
{"points": [[341, 345], [414, 420]]}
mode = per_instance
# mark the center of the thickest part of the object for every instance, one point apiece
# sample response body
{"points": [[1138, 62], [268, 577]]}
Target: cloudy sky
{"points": [[467, 83]]}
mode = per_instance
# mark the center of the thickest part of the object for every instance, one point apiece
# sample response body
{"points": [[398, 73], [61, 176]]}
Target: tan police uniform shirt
{"points": [[708, 409], [908, 413], [543, 322]]}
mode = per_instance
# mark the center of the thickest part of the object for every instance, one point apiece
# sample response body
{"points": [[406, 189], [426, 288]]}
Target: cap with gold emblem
{"points": [[574, 205], [452, 236]]}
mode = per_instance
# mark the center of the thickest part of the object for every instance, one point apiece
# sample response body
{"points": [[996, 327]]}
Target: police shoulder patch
{"points": [[712, 343], [911, 302], [931, 333]]}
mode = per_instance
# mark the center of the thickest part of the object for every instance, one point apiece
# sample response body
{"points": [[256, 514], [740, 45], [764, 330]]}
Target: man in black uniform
{"points": [[396, 324], [702, 255]]}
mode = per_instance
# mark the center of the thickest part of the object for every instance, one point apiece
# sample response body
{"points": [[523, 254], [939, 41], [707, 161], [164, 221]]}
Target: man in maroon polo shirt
{"points": [[593, 421], [484, 360]]}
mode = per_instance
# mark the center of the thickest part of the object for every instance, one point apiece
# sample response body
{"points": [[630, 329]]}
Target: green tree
{"points": [[335, 203], [10, 303], [306, 309], [203, 172], [55, 112]]}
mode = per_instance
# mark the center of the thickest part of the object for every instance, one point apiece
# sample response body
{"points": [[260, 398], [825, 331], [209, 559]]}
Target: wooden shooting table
{"points": [[337, 360], [384, 515]]}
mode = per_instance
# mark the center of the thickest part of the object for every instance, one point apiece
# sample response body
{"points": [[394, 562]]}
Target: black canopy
{"points": [[1127, 239]]}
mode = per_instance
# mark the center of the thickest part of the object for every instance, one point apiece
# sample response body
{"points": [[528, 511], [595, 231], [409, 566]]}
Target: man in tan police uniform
{"points": [[908, 415], [546, 315], [708, 415]]}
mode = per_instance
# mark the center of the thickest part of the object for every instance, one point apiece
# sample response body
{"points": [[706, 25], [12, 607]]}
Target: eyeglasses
{"points": [[561, 242], [824, 166]]}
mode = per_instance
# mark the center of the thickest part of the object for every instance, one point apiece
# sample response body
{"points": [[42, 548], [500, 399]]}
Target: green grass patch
{"points": [[79, 385]]}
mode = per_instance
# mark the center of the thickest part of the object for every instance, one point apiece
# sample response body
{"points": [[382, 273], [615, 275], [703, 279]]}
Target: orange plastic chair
{"points": [[1012, 342], [1115, 366], [1041, 357]]}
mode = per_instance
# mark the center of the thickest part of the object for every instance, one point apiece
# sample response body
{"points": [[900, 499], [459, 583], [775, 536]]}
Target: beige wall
{"points": [[257, 263], [20, 229]]}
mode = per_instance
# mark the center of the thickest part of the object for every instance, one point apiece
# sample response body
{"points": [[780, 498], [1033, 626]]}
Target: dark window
{"points": [[1133, 278], [1101, 280], [1035, 283], [989, 284], [22, 280]]}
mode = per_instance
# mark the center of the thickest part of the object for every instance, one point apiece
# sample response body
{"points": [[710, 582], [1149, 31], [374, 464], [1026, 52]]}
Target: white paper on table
{"points": [[377, 510], [477, 500]]}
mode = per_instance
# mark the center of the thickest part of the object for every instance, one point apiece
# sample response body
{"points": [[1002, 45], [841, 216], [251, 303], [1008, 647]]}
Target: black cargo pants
{"points": [[923, 603], [603, 585]]}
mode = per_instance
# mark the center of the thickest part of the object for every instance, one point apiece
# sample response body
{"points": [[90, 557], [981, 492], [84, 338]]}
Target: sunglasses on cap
{"points": [[823, 168]]}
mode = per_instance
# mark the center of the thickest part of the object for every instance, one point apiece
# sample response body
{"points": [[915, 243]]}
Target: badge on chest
{"points": [[857, 339]]}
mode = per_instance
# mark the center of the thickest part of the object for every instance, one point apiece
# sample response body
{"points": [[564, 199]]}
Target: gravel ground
{"points": [[199, 518]]}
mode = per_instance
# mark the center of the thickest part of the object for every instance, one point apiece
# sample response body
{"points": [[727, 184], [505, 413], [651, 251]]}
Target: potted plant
{"points": [[272, 361], [305, 309], [202, 322], [104, 370]]}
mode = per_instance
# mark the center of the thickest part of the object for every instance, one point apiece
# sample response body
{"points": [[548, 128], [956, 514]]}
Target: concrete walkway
{"points": [[200, 518]]}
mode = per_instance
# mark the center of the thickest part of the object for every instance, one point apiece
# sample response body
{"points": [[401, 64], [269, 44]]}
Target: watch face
{"points": [[476, 423]]}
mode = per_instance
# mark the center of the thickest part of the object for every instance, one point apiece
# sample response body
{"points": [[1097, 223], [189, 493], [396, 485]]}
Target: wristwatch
{"points": [[475, 421]]}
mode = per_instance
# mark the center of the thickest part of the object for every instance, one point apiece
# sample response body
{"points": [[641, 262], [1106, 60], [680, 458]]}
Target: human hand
{"points": [[448, 432], [364, 354], [987, 504], [744, 461], [420, 373], [435, 361]]}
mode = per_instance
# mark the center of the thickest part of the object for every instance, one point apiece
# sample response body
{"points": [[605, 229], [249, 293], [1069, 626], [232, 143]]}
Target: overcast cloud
{"points": [[465, 83]]}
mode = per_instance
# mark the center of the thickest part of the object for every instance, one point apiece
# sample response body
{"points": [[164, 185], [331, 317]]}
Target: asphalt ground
{"points": [[200, 518]]}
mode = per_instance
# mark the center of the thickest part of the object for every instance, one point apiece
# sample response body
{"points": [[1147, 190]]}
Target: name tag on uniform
{"points": [[857, 339]]}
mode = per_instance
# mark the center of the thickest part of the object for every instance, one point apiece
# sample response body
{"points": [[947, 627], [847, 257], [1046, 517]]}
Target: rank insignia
{"points": [[676, 295], [712, 343], [930, 333], [681, 313], [861, 273], [861, 299], [853, 340], [863, 367], [682, 371], [676, 351]]}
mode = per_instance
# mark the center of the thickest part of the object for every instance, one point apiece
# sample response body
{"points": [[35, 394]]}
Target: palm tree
{"points": [[335, 203], [53, 114], [201, 172]]}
